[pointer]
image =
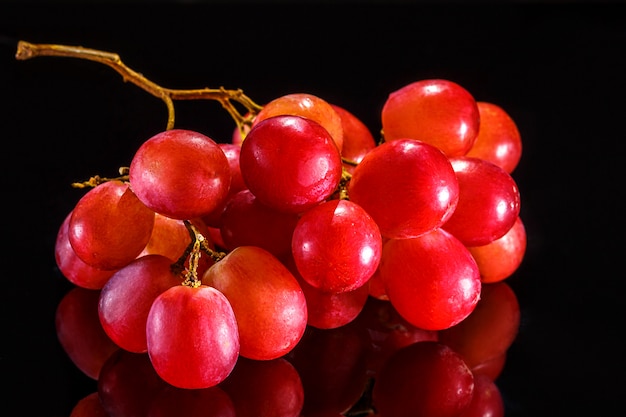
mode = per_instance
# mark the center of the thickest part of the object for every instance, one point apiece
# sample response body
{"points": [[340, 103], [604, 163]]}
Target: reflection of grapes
{"points": [[426, 379], [356, 274]]}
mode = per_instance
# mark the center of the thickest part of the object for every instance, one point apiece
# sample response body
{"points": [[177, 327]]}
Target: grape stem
{"points": [[193, 252], [27, 50]]}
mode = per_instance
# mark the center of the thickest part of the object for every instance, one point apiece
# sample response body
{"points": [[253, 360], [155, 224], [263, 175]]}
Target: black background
{"points": [[557, 68]]}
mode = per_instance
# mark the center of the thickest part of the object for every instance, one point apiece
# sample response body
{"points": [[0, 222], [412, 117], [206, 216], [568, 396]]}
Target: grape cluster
{"points": [[207, 260]]}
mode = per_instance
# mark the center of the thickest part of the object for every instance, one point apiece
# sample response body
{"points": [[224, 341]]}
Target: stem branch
{"points": [[27, 50]]}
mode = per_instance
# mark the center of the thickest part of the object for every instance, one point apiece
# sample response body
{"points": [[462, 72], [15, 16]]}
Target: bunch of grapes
{"points": [[204, 256]]}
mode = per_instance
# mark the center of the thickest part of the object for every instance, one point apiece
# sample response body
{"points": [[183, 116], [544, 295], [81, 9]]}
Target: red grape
{"points": [[498, 139], [181, 174], [424, 379], [110, 226], [357, 138], [267, 301], [431, 280], [127, 297], [486, 400], [407, 186], [192, 336], [499, 259], [306, 105], [489, 202], [290, 163], [170, 237], [246, 221], [232, 152], [436, 111], [336, 246], [329, 310], [72, 267]]}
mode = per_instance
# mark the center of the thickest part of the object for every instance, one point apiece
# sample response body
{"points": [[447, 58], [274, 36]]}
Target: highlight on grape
{"points": [[301, 267]]}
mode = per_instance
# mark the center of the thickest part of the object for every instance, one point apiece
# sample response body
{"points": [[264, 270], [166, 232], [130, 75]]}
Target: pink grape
{"points": [[336, 246], [181, 174], [500, 258], [267, 301], [246, 221], [309, 106], [126, 299], [489, 202], [110, 226], [329, 310], [357, 138], [407, 186], [486, 401], [72, 267], [290, 163], [436, 111], [192, 336], [431, 280], [499, 140], [232, 152]]}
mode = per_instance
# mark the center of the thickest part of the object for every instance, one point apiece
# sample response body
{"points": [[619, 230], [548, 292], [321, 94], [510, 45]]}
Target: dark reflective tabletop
{"points": [[557, 68]]}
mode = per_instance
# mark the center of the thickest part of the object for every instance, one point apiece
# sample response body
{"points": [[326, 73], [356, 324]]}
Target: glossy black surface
{"points": [[558, 69]]}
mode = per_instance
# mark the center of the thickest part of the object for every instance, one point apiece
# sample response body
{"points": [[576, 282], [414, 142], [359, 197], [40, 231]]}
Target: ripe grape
{"points": [[192, 336], [290, 163], [489, 202], [79, 331], [498, 139], [246, 221], [436, 111], [267, 301], [127, 297], [431, 280], [357, 138], [110, 226], [72, 267], [407, 186], [232, 152], [181, 174], [170, 237], [336, 246], [486, 401], [426, 379], [309, 106], [329, 310], [500, 258]]}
